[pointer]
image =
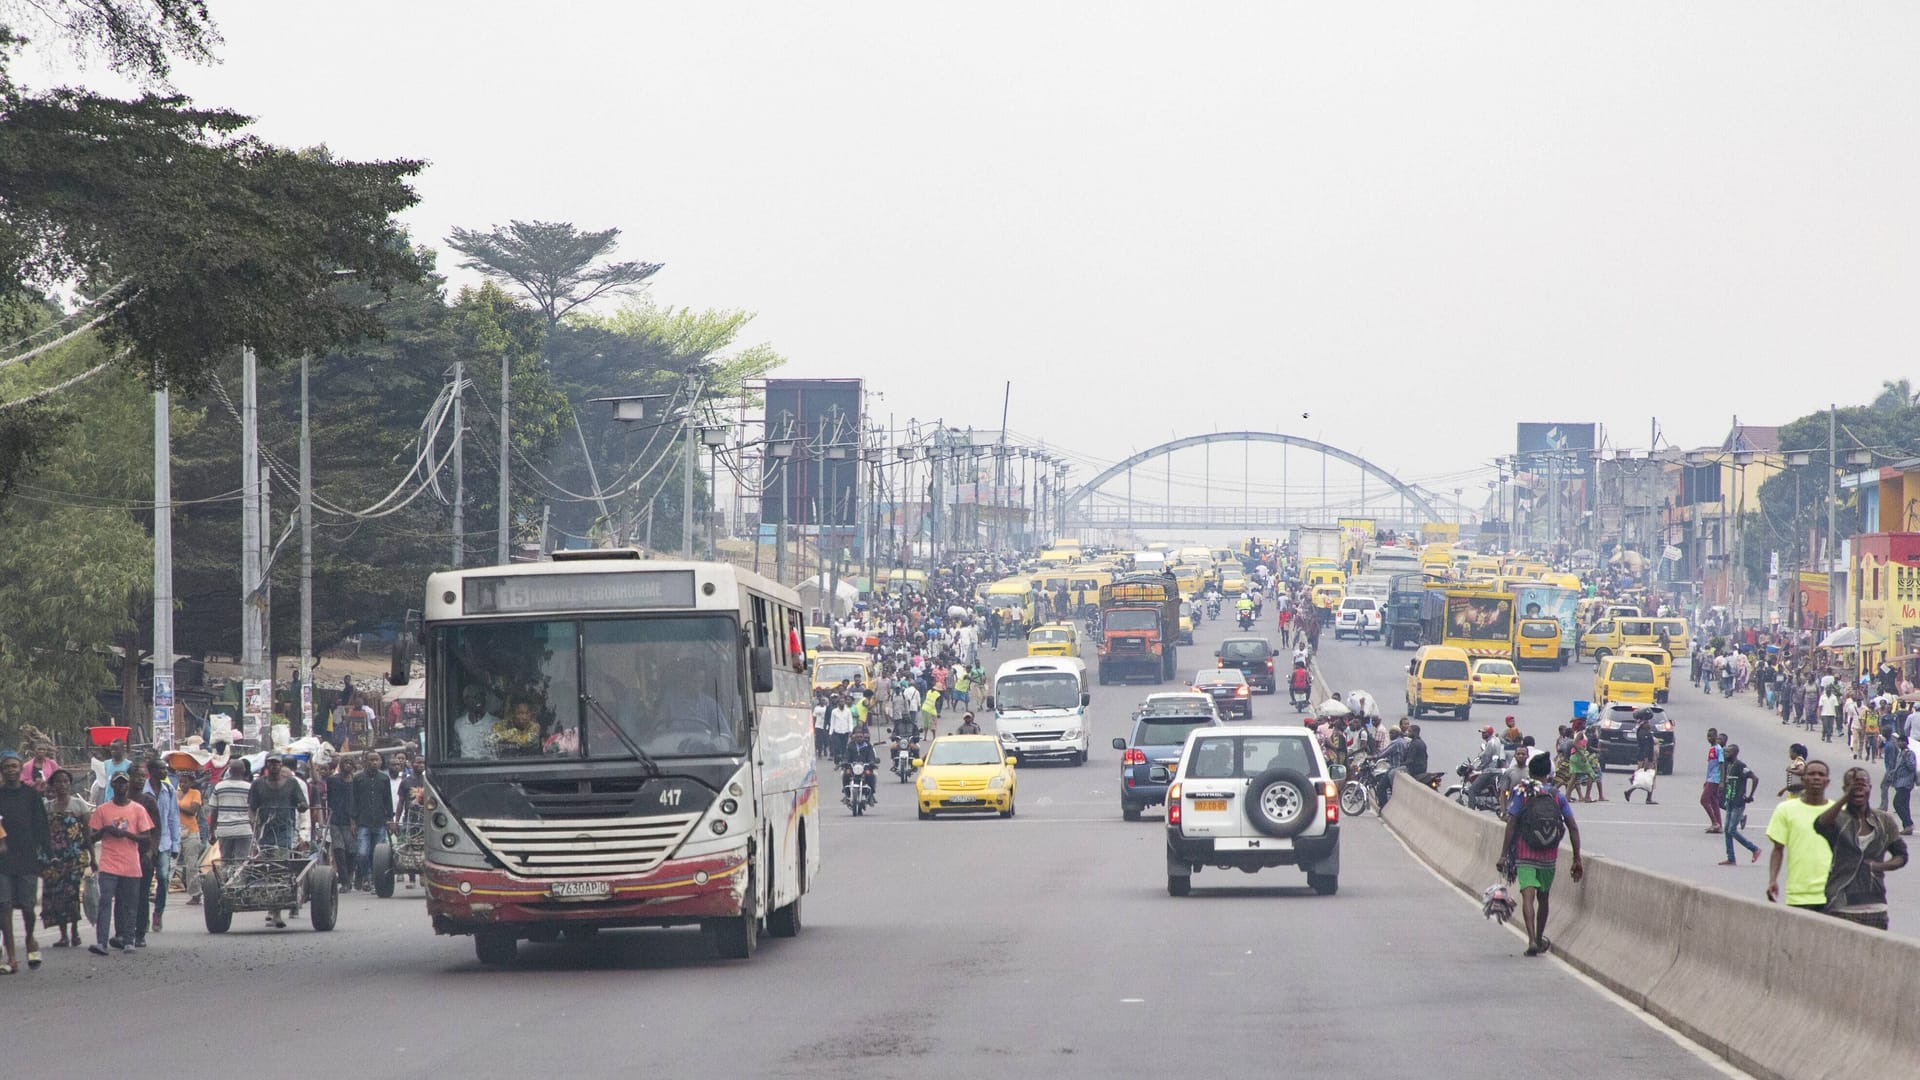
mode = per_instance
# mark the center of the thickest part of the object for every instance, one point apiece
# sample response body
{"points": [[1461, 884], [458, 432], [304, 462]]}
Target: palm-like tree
{"points": [[1895, 394]]}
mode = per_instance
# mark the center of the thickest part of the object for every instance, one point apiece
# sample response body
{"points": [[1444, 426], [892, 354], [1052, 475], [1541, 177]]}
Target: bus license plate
{"points": [[1209, 804], [580, 890]]}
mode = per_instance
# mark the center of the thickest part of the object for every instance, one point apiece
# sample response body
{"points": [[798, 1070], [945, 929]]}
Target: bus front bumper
{"points": [[677, 892]]}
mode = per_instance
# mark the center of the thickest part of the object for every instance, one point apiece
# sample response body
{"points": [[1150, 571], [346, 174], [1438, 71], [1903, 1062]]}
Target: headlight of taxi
{"points": [[998, 782], [928, 783]]}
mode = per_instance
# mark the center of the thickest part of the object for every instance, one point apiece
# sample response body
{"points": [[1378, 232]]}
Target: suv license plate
{"points": [[1209, 804], [580, 890]]}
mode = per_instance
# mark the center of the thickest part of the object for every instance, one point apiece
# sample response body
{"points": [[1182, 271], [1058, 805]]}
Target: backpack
{"points": [[1540, 824]]}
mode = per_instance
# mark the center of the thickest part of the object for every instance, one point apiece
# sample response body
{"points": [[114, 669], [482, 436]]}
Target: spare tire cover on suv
{"points": [[1280, 802]]}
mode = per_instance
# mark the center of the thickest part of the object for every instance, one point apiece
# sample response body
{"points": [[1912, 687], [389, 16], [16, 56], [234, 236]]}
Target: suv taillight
{"points": [[1332, 792], [1173, 805], [1269, 663], [1134, 756], [1222, 662]]}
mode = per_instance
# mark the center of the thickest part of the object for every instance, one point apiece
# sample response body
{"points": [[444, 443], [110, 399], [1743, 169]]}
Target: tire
{"points": [[1008, 812], [495, 948], [323, 897], [218, 915], [738, 937], [1464, 712], [1601, 654], [1280, 802], [1179, 877], [926, 815], [383, 870], [1324, 884], [858, 803], [1080, 758], [1353, 798], [1129, 810], [784, 922]]}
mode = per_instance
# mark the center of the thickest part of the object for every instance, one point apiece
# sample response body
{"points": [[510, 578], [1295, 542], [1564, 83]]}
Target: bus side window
{"points": [[759, 622], [780, 630]]}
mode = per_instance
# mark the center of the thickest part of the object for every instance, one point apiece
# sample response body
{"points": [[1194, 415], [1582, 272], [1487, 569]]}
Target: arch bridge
{"points": [[1392, 503]]}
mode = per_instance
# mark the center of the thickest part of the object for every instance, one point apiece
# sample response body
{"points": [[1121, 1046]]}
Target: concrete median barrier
{"points": [[1779, 993]]}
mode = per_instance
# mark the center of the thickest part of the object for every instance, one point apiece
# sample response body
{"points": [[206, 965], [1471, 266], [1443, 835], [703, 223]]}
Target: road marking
{"points": [[1517, 927], [1133, 1001]]}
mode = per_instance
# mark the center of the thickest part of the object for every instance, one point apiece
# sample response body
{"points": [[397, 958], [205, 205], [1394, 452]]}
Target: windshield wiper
{"points": [[652, 766]]}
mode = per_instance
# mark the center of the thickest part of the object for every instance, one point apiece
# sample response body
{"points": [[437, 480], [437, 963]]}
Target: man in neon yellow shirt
{"points": [[1806, 852]]}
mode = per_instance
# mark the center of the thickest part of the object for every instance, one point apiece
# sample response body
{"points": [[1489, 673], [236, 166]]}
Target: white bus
{"points": [[1039, 707], [614, 742]]}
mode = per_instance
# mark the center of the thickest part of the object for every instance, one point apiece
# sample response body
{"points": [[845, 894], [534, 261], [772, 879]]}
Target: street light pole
{"points": [[306, 555], [163, 703], [1833, 467]]}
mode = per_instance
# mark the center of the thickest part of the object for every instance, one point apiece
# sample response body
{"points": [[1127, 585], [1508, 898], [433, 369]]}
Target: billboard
{"points": [[1537, 440], [1550, 602], [1479, 622], [814, 414]]}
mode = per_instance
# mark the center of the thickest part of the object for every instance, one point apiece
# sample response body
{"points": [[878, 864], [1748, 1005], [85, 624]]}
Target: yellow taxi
{"points": [[830, 669], [1328, 597], [1496, 679], [967, 774], [1537, 641], [1053, 639], [818, 637], [1623, 680], [1437, 680], [1186, 621], [1662, 667], [1233, 581]]}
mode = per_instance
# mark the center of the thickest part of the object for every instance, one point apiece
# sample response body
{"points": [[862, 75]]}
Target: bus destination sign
{"points": [[578, 592]]}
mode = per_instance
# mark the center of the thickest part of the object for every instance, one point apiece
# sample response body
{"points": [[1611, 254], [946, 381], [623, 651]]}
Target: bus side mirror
{"points": [[989, 702], [761, 659], [400, 671], [1086, 699]]}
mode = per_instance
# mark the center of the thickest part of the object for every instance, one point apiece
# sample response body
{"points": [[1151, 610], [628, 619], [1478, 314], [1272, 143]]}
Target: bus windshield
{"points": [[1052, 690], [600, 689]]}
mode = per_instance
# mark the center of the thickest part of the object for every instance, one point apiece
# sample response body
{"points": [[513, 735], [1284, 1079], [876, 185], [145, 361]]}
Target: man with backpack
{"points": [[1538, 816]]}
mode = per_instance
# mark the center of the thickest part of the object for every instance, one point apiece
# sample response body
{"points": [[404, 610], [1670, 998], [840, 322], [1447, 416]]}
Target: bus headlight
{"points": [[719, 827], [728, 806]]}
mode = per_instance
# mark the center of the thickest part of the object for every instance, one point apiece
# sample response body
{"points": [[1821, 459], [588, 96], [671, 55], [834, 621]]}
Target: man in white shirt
{"points": [[472, 731], [839, 726]]}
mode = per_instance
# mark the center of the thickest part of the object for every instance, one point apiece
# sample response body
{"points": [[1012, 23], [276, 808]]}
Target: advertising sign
{"points": [[1550, 602], [813, 415], [1537, 440], [1479, 622]]}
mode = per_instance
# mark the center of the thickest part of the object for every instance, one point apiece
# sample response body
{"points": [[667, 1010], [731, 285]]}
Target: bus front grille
{"points": [[583, 847]]}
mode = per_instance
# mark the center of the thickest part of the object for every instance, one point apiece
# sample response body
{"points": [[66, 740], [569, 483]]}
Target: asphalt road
{"points": [[1044, 944], [1668, 837]]}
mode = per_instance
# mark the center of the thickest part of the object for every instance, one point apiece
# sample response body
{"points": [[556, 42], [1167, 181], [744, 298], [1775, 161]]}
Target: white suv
{"points": [[1359, 616], [1250, 797]]}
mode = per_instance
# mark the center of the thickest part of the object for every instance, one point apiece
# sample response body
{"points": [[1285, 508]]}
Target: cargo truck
{"points": [[1139, 624]]}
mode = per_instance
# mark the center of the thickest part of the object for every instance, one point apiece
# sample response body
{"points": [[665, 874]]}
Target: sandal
{"points": [[33, 960]]}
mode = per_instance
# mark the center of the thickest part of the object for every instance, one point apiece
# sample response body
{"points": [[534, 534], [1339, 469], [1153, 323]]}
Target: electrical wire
{"points": [[41, 349], [42, 395], [63, 320]]}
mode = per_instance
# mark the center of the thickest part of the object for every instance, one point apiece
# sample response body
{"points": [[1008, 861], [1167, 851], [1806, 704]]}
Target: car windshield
{"points": [[1445, 669], [1171, 731], [1130, 619], [964, 752], [1046, 690], [669, 685], [838, 671], [1631, 673], [1221, 757], [1245, 650]]}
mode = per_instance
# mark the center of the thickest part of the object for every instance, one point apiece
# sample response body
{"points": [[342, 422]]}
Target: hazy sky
{"points": [[1417, 222]]}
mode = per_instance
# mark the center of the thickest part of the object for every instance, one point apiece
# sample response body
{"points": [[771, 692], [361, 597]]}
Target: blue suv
{"points": [[1148, 759]]}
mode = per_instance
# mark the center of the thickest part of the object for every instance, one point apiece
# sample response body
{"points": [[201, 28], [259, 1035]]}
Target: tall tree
{"points": [[558, 266]]}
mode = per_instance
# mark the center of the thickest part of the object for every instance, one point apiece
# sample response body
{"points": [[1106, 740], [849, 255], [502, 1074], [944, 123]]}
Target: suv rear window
{"points": [[1541, 630], [1246, 649], [1353, 602], [1172, 731], [1444, 669], [1223, 757]]}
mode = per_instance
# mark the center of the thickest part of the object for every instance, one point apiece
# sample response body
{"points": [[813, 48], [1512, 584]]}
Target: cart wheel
{"points": [[323, 898], [495, 948], [383, 870], [213, 905]]}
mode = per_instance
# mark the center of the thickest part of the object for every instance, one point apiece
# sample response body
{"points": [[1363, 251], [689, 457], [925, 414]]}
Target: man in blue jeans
{"points": [[372, 814], [1737, 784]]}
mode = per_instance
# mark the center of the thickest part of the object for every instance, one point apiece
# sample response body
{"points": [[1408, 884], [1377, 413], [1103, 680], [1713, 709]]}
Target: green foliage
{"points": [[552, 262], [1793, 503], [75, 552], [139, 38]]}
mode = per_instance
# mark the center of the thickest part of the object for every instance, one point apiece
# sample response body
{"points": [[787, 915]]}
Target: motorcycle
{"points": [[1246, 620], [903, 754], [856, 781], [1366, 785], [1213, 609], [1300, 697], [1493, 801]]}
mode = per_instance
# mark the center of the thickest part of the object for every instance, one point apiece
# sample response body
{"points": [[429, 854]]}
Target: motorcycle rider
{"points": [[1300, 682], [1486, 775], [859, 753]]}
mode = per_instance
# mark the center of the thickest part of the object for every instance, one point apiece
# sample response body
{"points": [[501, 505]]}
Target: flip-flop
{"points": [[6, 969], [33, 960]]}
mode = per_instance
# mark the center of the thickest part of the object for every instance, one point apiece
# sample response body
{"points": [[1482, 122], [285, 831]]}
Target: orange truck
{"points": [[1139, 625]]}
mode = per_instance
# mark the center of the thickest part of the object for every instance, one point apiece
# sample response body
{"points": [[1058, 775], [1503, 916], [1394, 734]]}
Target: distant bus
{"points": [[614, 742]]}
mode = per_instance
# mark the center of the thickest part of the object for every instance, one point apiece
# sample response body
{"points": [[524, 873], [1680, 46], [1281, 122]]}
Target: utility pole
{"points": [[250, 565], [459, 466], [506, 451], [686, 484], [306, 557], [163, 699], [1833, 466]]}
